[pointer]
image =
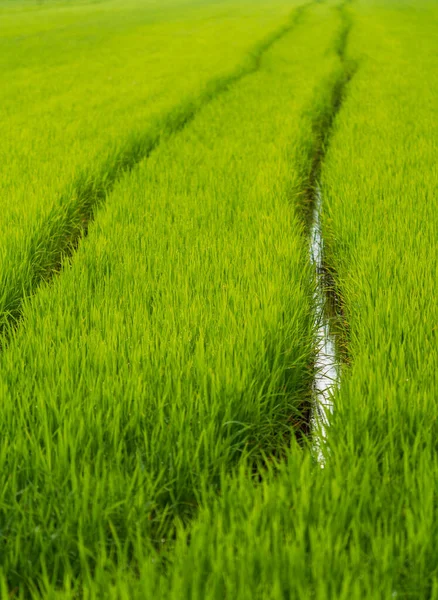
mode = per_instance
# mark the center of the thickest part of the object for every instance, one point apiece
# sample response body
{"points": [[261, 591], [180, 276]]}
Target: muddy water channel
{"points": [[327, 360]]}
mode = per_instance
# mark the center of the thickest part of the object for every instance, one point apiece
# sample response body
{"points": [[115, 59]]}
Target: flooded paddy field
{"points": [[218, 331]]}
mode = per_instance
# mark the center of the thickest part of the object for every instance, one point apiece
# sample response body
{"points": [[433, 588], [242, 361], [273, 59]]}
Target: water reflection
{"points": [[327, 366]]}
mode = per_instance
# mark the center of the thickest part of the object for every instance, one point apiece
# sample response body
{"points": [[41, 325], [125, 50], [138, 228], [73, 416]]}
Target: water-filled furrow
{"points": [[327, 361], [327, 302]]}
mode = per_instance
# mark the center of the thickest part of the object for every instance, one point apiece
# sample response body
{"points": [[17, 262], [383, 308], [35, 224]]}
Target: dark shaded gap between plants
{"points": [[327, 306], [61, 233], [332, 331]]}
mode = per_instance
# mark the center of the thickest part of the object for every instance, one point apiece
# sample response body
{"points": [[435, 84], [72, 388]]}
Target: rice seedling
{"points": [[179, 340], [364, 526], [172, 356], [73, 125]]}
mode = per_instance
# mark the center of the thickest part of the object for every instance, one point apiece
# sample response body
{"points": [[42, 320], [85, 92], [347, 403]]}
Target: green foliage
{"points": [[364, 526], [162, 361], [91, 89], [178, 341]]}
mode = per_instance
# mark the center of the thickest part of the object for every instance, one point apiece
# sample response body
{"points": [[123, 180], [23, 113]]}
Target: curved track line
{"points": [[329, 315]]}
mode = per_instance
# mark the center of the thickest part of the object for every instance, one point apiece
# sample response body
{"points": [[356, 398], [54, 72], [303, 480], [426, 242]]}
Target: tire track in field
{"points": [[330, 323], [323, 123], [324, 131], [60, 234]]}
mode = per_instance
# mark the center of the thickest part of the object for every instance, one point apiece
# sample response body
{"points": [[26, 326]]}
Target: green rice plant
{"points": [[91, 90], [364, 526], [179, 340], [381, 229], [170, 356]]}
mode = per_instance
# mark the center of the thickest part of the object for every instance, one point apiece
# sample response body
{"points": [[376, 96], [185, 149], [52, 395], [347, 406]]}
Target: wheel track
{"points": [[330, 322]]}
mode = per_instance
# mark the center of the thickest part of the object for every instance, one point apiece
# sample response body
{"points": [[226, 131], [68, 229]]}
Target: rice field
{"points": [[199, 199]]}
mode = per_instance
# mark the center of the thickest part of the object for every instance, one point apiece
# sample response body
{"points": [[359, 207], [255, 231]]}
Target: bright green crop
{"points": [[157, 299], [178, 339]]}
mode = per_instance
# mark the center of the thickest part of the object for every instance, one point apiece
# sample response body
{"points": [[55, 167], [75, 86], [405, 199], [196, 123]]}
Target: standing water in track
{"points": [[327, 366]]}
